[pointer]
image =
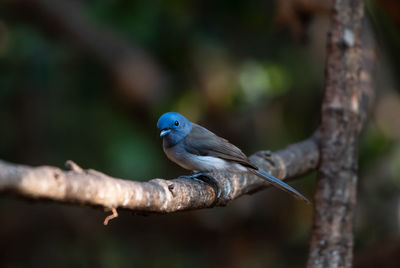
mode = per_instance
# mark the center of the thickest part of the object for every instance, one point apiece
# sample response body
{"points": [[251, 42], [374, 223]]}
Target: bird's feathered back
{"points": [[201, 141]]}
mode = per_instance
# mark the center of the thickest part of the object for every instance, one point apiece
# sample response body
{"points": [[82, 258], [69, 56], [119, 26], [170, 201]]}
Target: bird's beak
{"points": [[164, 132]]}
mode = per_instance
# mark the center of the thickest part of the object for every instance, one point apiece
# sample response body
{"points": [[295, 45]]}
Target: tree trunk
{"points": [[342, 121]]}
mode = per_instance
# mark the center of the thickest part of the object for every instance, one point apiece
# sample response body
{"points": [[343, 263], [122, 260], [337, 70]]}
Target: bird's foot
{"points": [[198, 176], [191, 177], [203, 178]]}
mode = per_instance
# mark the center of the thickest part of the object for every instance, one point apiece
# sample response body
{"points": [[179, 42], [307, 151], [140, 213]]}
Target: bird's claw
{"points": [[197, 177], [205, 179]]}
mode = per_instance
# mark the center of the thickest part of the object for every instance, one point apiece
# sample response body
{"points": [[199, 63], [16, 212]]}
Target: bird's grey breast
{"points": [[179, 155]]}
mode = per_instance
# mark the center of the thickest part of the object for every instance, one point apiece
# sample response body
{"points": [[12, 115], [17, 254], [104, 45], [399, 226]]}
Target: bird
{"points": [[196, 148]]}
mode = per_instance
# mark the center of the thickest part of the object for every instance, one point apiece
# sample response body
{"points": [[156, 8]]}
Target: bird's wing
{"points": [[201, 141]]}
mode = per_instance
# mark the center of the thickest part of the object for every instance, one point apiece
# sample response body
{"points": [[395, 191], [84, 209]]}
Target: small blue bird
{"points": [[193, 147]]}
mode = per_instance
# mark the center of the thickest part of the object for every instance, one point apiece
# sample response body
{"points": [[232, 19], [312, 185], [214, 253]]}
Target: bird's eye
{"points": [[176, 123]]}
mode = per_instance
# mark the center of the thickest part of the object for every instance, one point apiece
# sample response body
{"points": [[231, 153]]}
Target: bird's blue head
{"points": [[173, 127]]}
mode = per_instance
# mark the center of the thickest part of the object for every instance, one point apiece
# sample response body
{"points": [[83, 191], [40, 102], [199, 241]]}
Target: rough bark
{"points": [[343, 114], [90, 187]]}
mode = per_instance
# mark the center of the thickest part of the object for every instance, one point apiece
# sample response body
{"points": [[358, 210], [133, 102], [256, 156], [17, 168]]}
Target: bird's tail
{"points": [[279, 184]]}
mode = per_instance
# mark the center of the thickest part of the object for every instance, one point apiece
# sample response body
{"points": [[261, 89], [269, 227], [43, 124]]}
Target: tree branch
{"points": [[93, 188]]}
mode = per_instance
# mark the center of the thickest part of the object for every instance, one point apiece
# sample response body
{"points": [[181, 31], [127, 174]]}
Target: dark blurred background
{"points": [[87, 81]]}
